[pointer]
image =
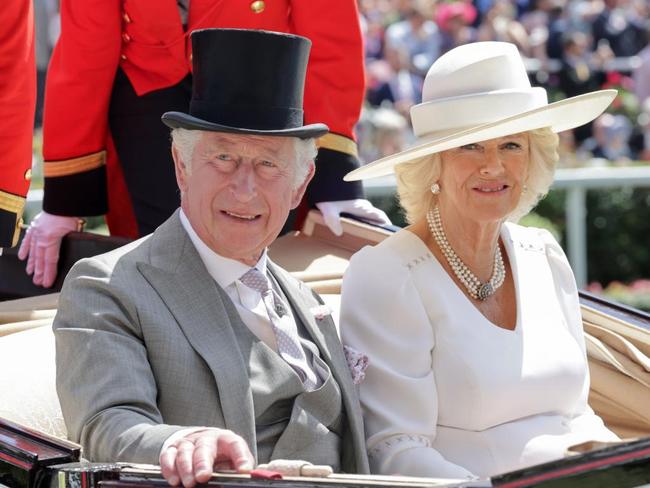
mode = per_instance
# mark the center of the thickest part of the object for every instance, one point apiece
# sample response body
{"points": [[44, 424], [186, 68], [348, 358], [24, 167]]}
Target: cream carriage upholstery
{"points": [[618, 352], [27, 370]]}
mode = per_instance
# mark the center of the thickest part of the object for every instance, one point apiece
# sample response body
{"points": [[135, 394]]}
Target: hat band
{"points": [[455, 113], [252, 117]]}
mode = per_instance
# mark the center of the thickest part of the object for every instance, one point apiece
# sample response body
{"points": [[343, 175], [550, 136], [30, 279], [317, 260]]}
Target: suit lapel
{"points": [[178, 275], [323, 332]]}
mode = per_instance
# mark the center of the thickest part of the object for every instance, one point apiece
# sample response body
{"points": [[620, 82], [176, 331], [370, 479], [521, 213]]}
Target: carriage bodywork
{"points": [[34, 452]]}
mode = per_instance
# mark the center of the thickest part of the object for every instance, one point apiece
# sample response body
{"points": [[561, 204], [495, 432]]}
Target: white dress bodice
{"points": [[447, 392]]}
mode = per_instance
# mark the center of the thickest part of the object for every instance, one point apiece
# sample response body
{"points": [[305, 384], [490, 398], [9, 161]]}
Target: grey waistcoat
{"points": [[291, 423]]}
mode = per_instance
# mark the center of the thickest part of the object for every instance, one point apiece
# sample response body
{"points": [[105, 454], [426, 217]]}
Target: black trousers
{"points": [[143, 146]]}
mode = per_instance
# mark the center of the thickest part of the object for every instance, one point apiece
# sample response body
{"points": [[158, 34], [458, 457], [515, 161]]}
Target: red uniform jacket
{"points": [[17, 103], [146, 39]]}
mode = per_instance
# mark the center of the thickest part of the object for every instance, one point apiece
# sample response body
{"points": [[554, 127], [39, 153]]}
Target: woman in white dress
{"points": [[471, 323]]}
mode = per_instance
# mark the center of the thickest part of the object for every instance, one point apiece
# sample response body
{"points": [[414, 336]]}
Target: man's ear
{"points": [[300, 191], [180, 169]]}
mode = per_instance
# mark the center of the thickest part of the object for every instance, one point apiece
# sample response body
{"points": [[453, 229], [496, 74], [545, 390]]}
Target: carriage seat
{"points": [[27, 381]]}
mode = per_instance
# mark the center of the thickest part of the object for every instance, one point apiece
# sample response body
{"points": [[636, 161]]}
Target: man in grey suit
{"points": [[189, 347]]}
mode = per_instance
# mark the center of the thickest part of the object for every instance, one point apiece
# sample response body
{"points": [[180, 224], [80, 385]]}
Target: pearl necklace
{"points": [[476, 289]]}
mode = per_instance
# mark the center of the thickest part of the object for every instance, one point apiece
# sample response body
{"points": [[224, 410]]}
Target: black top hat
{"points": [[247, 82]]}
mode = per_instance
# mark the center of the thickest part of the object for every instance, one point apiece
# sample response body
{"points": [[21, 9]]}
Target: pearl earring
{"points": [[524, 190], [435, 189]]}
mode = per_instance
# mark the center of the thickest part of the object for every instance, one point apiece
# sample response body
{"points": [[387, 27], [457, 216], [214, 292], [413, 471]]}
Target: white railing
{"points": [[576, 181], [624, 64]]}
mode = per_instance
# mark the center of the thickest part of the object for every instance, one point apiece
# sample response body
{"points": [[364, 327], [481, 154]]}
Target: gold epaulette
{"points": [[13, 204], [66, 167], [338, 143]]}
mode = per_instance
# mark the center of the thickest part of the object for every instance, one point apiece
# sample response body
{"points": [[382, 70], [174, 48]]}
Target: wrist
{"points": [[73, 224]]}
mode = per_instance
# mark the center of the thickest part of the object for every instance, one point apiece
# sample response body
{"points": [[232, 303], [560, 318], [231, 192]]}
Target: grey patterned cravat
{"points": [[286, 334]]}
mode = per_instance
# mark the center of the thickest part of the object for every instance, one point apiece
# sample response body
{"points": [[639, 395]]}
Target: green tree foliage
{"points": [[618, 231]]}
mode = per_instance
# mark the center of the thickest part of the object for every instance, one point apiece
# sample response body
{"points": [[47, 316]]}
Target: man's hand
{"points": [[359, 208], [42, 244], [193, 458]]}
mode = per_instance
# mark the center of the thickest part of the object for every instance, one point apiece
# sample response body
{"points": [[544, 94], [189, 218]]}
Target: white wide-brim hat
{"points": [[481, 91]]}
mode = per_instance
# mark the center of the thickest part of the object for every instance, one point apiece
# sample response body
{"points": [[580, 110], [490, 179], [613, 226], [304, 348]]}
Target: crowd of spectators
{"points": [[571, 47]]}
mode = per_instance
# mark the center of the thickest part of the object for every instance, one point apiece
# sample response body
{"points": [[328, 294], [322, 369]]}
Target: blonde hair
{"points": [[414, 179], [305, 151]]}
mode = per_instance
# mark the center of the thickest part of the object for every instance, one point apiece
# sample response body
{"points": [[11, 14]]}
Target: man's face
{"points": [[239, 190]]}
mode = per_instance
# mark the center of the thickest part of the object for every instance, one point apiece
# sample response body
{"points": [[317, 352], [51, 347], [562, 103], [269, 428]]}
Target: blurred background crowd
{"points": [[571, 47]]}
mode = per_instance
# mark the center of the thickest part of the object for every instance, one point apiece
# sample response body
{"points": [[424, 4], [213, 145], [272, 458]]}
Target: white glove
{"points": [[359, 208], [42, 243]]}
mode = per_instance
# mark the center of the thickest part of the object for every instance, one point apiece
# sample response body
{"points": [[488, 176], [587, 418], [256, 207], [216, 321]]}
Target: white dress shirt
{"points": [[450, 394], [226, 272]]}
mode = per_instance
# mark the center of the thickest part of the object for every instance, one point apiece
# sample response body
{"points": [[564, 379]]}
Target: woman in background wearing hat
{"points": [[471, 323]]}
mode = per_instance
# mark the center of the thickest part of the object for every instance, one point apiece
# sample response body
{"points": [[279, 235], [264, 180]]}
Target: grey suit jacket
{"points": [[145, 347]]}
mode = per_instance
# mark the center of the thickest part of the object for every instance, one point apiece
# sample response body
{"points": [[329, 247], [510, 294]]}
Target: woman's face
{"points": [[483, 181]]}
